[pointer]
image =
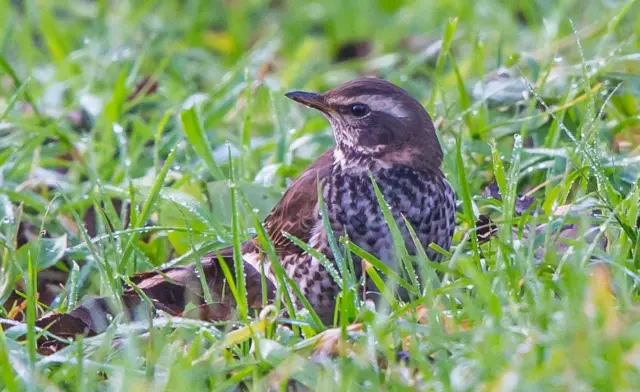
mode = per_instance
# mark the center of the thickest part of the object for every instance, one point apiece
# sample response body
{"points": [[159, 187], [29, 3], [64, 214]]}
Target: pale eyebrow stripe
{"points": [[378, 103]]}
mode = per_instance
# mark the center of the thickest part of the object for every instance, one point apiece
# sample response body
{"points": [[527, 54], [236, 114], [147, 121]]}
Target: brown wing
{"points": [[175, 286], [296, 212]]}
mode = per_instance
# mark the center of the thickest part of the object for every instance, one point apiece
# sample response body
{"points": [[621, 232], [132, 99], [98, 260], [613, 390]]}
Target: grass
{"points": [[135, 135]]}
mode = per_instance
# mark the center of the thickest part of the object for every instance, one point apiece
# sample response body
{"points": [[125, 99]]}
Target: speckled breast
{"points": [[425, 200]]}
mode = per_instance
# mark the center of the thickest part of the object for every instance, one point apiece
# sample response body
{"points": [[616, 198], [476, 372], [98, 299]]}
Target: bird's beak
{"points": [[312, 100]]}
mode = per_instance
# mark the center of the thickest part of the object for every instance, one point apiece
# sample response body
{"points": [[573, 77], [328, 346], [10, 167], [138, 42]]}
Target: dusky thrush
{"points": [[381, 132]]}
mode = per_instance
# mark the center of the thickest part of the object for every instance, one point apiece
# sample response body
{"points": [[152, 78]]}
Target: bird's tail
{"points": [[178, 291], [178, 286]]}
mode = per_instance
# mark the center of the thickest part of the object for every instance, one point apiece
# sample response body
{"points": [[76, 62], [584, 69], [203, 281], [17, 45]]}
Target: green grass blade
{"points": [[337, 253], [14, 98], [6, 67], [194, 131], [32, 294], [381, 286], [328, 264], [382, 267], [427, 272], [449, 32], [6, 371], [283, 281], [147, 208], [400, 248], [197, 261], [237, 244], [467, 206]]}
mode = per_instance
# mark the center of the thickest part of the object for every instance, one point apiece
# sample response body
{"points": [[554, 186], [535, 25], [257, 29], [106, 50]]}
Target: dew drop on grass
{"points": [[117, 129], [517, 141]]}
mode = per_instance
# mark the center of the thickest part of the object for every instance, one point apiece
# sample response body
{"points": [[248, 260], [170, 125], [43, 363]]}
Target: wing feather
{"points": [[297, 211]]}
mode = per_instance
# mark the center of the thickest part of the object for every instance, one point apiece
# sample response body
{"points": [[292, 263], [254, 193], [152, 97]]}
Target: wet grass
{"points": [[140, 135]]}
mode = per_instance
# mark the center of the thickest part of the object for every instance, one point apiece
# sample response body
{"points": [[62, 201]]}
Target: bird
{"points": [[382, 135]]}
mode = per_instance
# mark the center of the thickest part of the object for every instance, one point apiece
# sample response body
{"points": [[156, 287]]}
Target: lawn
{"points": [[135, 136]]}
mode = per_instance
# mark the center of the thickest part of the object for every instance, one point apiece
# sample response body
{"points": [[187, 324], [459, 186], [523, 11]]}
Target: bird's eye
{"points": [[359, 109]]}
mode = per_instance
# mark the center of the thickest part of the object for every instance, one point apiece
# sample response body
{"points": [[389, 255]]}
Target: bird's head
{"points": [[377, 119]]}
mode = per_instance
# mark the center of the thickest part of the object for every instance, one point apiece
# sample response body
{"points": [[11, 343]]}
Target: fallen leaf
{"points": [[330, 342], [627, 142]]}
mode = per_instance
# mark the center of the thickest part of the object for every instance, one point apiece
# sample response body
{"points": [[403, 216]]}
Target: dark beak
{"points": [[312, 100]]}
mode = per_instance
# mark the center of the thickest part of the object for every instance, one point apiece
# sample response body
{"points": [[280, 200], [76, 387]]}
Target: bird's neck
{"points": [[357, 162]]}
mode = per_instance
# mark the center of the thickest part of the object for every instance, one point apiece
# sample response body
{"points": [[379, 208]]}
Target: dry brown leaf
{"points": [[627, 142], [330, 342], [421, 315], [19, 309]]}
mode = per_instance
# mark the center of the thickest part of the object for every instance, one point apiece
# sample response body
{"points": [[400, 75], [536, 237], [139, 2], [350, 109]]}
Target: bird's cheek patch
{"points": [[379, 135], [384, 135]]}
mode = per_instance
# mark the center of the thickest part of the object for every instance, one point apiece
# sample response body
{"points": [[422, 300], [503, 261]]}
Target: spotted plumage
{"points": [[380, 131], [425, 200]]}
